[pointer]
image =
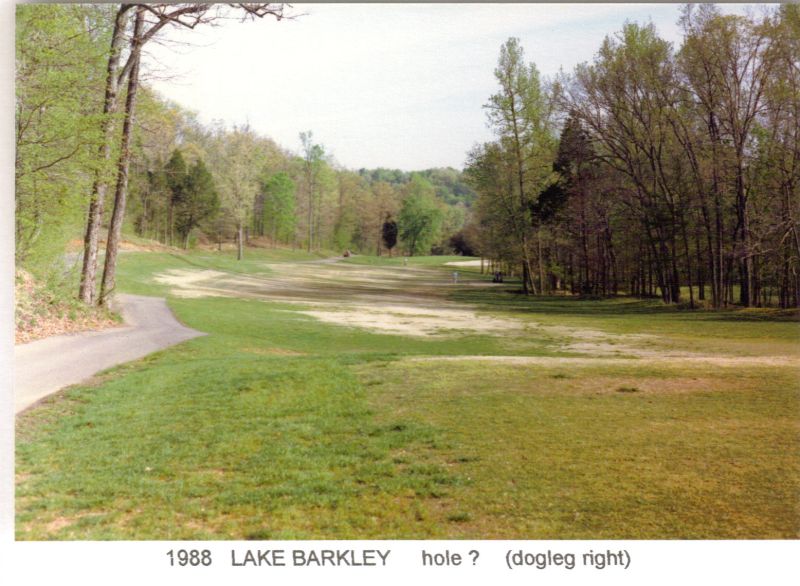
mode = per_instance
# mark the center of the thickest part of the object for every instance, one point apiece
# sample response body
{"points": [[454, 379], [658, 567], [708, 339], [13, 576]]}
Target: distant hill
{"points": [[449, 183]]}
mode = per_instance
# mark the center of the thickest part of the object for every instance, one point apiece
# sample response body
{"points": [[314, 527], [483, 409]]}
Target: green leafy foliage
{"points": [[449, 184], [199, 202], [279, 203], [420, 218], [59, 72]]}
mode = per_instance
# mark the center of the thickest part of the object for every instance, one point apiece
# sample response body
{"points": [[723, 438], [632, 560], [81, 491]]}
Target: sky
{"points": [[392, 85]]}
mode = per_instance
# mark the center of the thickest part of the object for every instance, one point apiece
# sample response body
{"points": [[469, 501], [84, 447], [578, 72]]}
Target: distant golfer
{"points": [[405, 261], [455, 276]]}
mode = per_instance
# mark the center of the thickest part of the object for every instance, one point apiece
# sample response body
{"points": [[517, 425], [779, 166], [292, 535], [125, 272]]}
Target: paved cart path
{"points": [[45, 366]]}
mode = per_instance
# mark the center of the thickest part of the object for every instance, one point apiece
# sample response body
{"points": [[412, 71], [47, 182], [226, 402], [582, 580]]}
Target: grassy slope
{"points": [[278, 426]]}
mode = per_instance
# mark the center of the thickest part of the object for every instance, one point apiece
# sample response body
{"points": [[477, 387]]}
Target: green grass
{"points": [[278, 426], [552, 453], [277, 450]]}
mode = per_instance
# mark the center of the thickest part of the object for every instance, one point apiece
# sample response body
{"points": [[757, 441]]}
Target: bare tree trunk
{"points": [[746, 264], [94, 220], [170, 221], [240, 241], [539, 255], [121, 192], [310, 211], [688, 259], [528, 286]]}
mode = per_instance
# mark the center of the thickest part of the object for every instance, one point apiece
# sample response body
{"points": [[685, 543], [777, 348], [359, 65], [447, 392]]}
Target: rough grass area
{"points": [[278, 425]]}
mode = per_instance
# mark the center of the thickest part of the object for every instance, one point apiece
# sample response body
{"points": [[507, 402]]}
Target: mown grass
{"points": [[277, 426]]}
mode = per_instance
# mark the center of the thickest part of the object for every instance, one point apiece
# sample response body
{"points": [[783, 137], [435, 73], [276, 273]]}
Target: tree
{"points": [[580, 206], [239, 160], [149, 20], [624, 100], [198, 201], [56, 123], [374, 203], [98, 194], [389, 231], [420, 218], [464, 242], [313, 161], [779, 159], [729, 62], [121, 191], [161, 128], [351, 191], [520, 114], [175, 178], [279, 206]]}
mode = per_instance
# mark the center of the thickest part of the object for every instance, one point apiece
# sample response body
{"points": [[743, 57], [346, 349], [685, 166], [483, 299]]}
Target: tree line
{"points": [[652, 170], [249, 190]]}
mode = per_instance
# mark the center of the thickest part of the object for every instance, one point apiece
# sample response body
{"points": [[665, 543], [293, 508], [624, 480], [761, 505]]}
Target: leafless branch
{"points": [[192, 15]]}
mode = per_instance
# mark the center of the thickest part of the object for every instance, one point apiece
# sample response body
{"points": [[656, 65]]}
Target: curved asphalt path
{"points": [[46, 366]]}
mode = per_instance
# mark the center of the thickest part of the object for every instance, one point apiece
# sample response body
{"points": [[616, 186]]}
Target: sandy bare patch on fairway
{"points": [[303, 282], [187, 282], [724, 361], [416, 321], [464, 263]]}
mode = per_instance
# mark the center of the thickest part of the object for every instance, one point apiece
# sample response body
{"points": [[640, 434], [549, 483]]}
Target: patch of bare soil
{"points": [[39, 313]]}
